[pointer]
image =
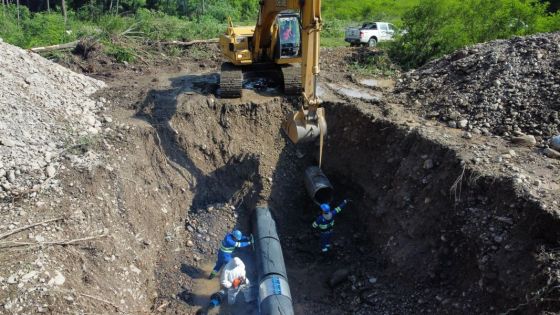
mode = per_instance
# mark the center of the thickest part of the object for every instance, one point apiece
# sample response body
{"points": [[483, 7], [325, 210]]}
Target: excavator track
{"points": [[292, 79], [231, 81]]}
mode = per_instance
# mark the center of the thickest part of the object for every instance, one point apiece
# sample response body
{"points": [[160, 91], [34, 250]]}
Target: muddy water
{"points": [[245, 302], [204, 288], [353, 93], [381, 83]]}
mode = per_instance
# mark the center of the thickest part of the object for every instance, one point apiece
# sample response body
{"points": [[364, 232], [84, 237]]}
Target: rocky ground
{"points": [[45, 109], [508, 88], [442, 221]]}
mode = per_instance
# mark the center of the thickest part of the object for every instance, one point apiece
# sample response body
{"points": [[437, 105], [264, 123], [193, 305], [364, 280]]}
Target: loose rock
{"points": [[526, 140], [553, 154], [338, 277]]}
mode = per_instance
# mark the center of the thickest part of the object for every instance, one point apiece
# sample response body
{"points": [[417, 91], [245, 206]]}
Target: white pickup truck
{"points": [[370, 34]]}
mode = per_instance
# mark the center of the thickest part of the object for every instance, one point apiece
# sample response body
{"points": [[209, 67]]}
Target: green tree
{"points": [[438, 27]]}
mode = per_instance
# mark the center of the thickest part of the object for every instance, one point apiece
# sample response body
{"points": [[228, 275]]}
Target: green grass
{"points": [[435, 27], [375, 63], [333, 42]]}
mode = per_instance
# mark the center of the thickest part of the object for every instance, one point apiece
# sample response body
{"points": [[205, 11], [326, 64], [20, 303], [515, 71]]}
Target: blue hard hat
{"points": [[237, 234], [325, 207]]}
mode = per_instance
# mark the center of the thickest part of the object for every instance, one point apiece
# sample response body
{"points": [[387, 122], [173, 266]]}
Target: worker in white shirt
{"points": [[234, 278]]}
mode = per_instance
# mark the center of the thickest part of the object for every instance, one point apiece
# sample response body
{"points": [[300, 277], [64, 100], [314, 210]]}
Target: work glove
{"points": [[237, 282]]}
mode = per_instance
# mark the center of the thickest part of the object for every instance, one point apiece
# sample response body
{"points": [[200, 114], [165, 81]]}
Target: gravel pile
{"points": [[504, 87], [44, 108]]}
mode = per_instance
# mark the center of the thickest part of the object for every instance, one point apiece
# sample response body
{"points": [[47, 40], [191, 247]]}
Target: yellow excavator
{"points": [[284, 41]]}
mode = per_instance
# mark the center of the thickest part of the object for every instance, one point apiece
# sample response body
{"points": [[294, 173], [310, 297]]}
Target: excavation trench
{"points": [[425, 232]]}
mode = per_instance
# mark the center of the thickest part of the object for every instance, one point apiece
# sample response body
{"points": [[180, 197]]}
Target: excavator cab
{"points": [[289, 37]]}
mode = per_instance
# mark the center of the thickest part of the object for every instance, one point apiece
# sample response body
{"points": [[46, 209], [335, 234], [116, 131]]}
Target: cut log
{"points": [[198, 41], [70, 45]]}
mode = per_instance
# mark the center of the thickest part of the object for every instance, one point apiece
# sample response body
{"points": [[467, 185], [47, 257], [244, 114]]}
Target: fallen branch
{"points": [[458, 184], [130, 29], [16, 195], [61, 242], [201, 41], [28, 227], [163, 306], [55, 47]]}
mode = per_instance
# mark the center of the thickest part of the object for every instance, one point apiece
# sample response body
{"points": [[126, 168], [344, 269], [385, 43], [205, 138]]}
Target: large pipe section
{"points": [[274, 292], [318, 185]]}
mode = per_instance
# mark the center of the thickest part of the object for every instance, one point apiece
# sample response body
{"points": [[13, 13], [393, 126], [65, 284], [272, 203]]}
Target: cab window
{"points": [[289, 37]]}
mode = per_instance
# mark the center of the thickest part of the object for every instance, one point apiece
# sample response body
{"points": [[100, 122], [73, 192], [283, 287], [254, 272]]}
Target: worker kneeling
{"points": [[232, 280]]}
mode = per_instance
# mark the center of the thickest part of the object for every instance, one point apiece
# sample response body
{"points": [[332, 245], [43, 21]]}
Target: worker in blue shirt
{"points": [[230, 242], [325, 223]]}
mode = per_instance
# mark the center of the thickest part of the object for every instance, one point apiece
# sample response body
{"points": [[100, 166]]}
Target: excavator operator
{"points": [[287, 33]]}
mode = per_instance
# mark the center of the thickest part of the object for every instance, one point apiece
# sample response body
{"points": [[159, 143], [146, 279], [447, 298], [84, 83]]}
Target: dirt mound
{"points": [[45, 108], [502, 87]]}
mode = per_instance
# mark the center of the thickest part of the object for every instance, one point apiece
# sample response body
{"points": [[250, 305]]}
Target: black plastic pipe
{"points": [[318, 185], [274, 291]]}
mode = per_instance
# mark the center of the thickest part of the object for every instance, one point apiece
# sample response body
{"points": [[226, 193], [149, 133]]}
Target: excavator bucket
{"points": [[299, 129]]}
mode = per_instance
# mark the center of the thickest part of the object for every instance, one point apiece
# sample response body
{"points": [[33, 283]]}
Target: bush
{"points": [[46, 29], [121, 53], [376, 63], [438, 27], [333, 33]]}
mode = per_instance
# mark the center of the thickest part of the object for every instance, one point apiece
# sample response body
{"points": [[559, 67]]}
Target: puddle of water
{"points": [[369, 82], [259, 84], [357, 94], [379, 83], [203, 288], [354, 93], [320, 90]]}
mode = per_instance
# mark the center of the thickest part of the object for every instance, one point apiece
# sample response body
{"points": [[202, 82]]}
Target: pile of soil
{"points": [[504, 87], [45, 108]]}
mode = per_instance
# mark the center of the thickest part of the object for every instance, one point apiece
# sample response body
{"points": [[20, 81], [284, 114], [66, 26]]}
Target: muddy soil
{"points": [[431, 229]]}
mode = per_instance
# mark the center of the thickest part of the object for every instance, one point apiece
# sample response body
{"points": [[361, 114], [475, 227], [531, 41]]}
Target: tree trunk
{"points": [[17, 11], [70, 45], [117, 7], [64, 11], [49, 6]]}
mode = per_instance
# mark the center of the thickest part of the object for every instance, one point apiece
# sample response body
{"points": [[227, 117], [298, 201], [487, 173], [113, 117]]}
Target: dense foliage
{"points": [[438, 27], [434, 27]]}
